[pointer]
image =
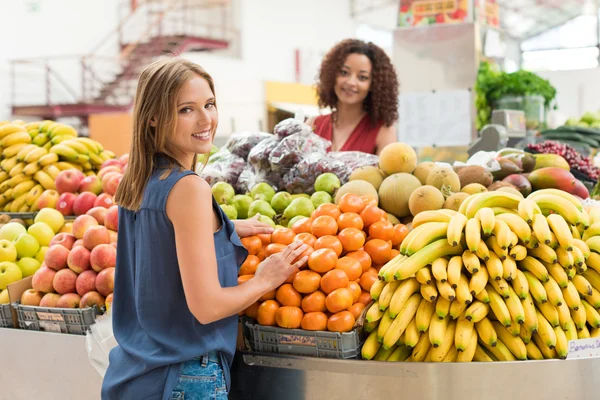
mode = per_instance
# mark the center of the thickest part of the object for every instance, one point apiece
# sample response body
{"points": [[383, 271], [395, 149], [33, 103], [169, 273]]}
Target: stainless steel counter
{"points": [[269, 377]]}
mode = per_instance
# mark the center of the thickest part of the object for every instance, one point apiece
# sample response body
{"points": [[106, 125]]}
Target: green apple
{"points": [[52, 217], [42, 232], [9, 273], [28, 266], [4, 299], [8, 252], [41, 254], [11, 230], [26, 245]]}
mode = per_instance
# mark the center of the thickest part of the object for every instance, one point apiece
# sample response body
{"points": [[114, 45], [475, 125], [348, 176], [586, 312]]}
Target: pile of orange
{"points": [[347, 245]]}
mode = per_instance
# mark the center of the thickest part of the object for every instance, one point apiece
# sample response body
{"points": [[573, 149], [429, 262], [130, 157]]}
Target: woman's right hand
{"points": [[277, 268]]}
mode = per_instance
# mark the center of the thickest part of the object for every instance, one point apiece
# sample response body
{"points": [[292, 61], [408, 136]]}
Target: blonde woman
{"points": [[176, 296]]}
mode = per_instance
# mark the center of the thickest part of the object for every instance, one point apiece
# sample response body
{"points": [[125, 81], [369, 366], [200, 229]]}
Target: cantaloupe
{"points": [[359, 187], [474, 188], [422, 171], [445, 179], [395, 191], [397, 157], [453, 202], [425, 198], [371, 174]]}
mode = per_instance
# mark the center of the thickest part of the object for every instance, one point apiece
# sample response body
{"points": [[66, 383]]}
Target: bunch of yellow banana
{"points": [[504, 278]]}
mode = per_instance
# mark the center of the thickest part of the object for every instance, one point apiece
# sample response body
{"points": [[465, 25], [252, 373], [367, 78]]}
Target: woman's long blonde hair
{"points": [[155, 100]]}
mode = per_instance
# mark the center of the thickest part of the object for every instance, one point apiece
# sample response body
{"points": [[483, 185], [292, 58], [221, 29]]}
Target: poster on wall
{"points": [[434, 12], [488, 12]]}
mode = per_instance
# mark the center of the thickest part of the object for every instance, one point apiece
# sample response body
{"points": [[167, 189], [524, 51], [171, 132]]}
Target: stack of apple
{"points": [[78, 269], [79, 193]]}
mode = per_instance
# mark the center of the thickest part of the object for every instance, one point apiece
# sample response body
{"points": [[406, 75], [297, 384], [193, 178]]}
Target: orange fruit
{"points": [[265, 238], [368, 279], [350, 220], [356, 309], [286, 295], [351, 266], [302, 226], [363, 257], [394, 253], [379, 250], [252, 311], [290, 279], [252, 244], [329, 242], [266, 312], [314, 321], [334, 279], [365, 298], [268, 296], [329, 209], [369, 201], [351, 202], [261, 253], [306, 281], [274, 248], [400, 233], [307, 238], [324, 225], [381, 229], [342, 321], [289, 317], [244, 278], [283, 236], [356, 290], [372, 214], [352, 239], [322, 260], [249, 266], [314, 302], [338, 300]]}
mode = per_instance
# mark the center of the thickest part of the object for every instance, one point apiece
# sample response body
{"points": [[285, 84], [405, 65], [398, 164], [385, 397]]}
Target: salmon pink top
{"points": [[363, 137]]}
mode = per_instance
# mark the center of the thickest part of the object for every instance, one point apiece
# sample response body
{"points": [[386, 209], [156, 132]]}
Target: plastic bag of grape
{"points": [[241, 143], [250, 176], [259, 155], [289, 127], [354, 160], [223, 166], [291, 150]]}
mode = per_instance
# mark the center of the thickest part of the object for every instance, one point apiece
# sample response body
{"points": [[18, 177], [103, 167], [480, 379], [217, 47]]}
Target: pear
{"points": [[319, 198], [327, 182], [241, 202], [262, 191], [299, 206], [261, 207], [230, 211], [223, 192], [281, 201]]}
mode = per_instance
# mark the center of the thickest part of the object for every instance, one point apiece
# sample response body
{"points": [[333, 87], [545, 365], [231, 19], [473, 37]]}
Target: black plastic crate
{"points": [[76, 321], [323, 344], [6, 316]]}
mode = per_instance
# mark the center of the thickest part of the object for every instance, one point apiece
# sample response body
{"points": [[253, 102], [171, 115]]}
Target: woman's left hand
{"points": [[251, 227]]}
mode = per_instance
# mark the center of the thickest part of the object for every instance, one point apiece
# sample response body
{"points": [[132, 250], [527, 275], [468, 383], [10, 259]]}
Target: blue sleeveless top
{"points": [[152, 323]]}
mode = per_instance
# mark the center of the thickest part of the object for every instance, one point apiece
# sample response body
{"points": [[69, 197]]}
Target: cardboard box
{"points": [[15, 290]]}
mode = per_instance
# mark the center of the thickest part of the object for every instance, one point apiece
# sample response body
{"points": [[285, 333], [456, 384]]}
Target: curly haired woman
{"points": [[358, 82]]}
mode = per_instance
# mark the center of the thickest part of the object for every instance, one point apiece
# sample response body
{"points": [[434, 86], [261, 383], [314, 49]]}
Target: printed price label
{"points": [[50, 317], [50, 326], [583, 348]]}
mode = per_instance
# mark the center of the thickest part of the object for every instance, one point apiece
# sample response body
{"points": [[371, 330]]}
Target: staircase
{"points": [[107, 75]]}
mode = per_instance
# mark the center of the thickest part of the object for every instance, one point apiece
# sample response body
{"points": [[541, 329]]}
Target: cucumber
{"points": [[572, 136]]}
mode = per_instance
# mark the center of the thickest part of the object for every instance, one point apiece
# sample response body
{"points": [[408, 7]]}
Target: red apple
{"points": [[113, 162], [124, 159], [83, 203], [78, 242], [104, 200], [48, 199], [69, 180], [64, 281], [31, 297], [94, 236], [112, 183], [86, 282], [82, 224], [98, 213], [64, 239], [65, 202], [56, 257], [108, 301], [91, 184], [103, 256], [111, 219], [113, 236], [50, 300], [108, 169], [105, 281], [91, 299], [42, 279], [69, 300], [79, 259]]}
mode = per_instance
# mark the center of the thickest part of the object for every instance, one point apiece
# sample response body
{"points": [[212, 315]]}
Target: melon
{"points": [[397, 157], [422, 171], [425, 198], [474, 188], [371, 174], [453, 202], [392, 219], [445, 179], [358, 187], [395, 192]]}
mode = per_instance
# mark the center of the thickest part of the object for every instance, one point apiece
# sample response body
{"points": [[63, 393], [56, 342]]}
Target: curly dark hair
{"points": [[382, 101]]}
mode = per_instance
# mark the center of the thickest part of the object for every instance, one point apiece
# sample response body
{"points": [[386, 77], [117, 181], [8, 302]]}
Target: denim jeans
{"points": [[200, 378]]}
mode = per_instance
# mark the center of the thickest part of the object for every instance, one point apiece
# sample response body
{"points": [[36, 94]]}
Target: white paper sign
{"points": [[435, 118], [584, 348]]}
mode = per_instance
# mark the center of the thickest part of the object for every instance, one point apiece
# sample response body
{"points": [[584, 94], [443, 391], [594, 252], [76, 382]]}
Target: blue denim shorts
{"points": [[201, 378]]}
